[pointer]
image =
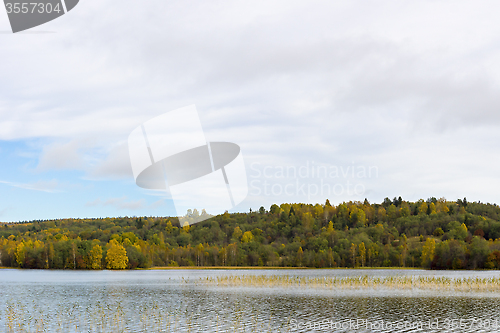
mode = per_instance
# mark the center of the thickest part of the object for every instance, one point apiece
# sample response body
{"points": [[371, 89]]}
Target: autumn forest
{"points": [[432, 233]]}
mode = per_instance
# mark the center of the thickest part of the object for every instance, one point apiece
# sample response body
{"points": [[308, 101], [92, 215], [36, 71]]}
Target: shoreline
{"points": [[230, 268], [277, 268]]}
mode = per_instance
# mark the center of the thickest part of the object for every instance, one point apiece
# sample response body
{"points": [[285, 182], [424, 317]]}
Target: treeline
{"points": [[436, 234]]}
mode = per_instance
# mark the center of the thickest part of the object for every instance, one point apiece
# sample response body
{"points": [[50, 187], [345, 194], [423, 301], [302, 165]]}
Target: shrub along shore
{"points": [[432, 233]]}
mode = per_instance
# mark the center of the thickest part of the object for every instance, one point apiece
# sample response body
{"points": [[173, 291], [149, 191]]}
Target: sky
{"points": [[338, 100]]}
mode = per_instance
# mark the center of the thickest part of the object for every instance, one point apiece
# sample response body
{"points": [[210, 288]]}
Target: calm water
{"points": [[177, 301]]}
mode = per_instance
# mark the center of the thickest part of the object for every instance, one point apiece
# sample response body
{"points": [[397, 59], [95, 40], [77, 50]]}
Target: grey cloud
{"points": [[289, 81]]}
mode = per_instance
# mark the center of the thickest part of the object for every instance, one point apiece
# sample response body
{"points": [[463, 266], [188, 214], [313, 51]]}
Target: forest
{"points": [[432, 233]]}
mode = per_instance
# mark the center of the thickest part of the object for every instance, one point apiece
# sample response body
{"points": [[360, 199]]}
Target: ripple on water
{"points": [[160, 301]]}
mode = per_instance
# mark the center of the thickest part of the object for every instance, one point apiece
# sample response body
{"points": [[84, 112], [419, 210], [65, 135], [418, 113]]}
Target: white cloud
{"points": [[61, 156], [122, 203], [50, 186], [115, 164]]}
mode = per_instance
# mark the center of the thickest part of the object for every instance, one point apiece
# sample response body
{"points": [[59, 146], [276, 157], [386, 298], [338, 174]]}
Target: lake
{"points": [[181, 300]]}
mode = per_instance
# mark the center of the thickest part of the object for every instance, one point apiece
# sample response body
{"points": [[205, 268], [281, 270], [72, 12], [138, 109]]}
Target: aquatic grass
{"points": [[108, 315], [358, 282], [103, 316]]}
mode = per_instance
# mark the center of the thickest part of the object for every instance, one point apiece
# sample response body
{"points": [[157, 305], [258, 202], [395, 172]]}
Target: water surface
{"points": [[180, 301]]}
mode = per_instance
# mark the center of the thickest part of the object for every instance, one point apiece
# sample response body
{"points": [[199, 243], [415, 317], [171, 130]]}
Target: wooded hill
{"points": [[437, 234]]}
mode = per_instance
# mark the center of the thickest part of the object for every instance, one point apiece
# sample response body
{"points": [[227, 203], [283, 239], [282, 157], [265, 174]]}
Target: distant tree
{"points": [[478, 252], [392, 212], [136, 258], [381, 214], [422, 208], [95, 257], [438, 232], [479, 232], [330, 228], [432, 208], [404, 210], [428, 252], [199, 254], [139, 223], [462, 203], [20, 254], [300, 255], [237, 233], [274, 209], [432, 200], [386, 203], [461, 232], [116, 256], [362, 253], [358, 217], [247, 237]]}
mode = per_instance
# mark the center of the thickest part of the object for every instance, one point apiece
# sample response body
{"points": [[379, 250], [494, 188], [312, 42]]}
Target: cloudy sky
{"points": [[327, 99]]}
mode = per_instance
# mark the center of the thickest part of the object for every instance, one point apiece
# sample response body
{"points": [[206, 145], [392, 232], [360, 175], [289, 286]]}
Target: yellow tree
{"points": [[223, 255], [116, 257], [300, 254], [432, 207], [405, 210], [428, 252], [381, 213], [186, 227], [318, 211], [422, 209], [307, 221], [362, 253], [372, 253], [358, 217], [247, 237], [392, 211], [461, 232], [237, 233], [442, 206], [20, 253], [95, 257]]}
